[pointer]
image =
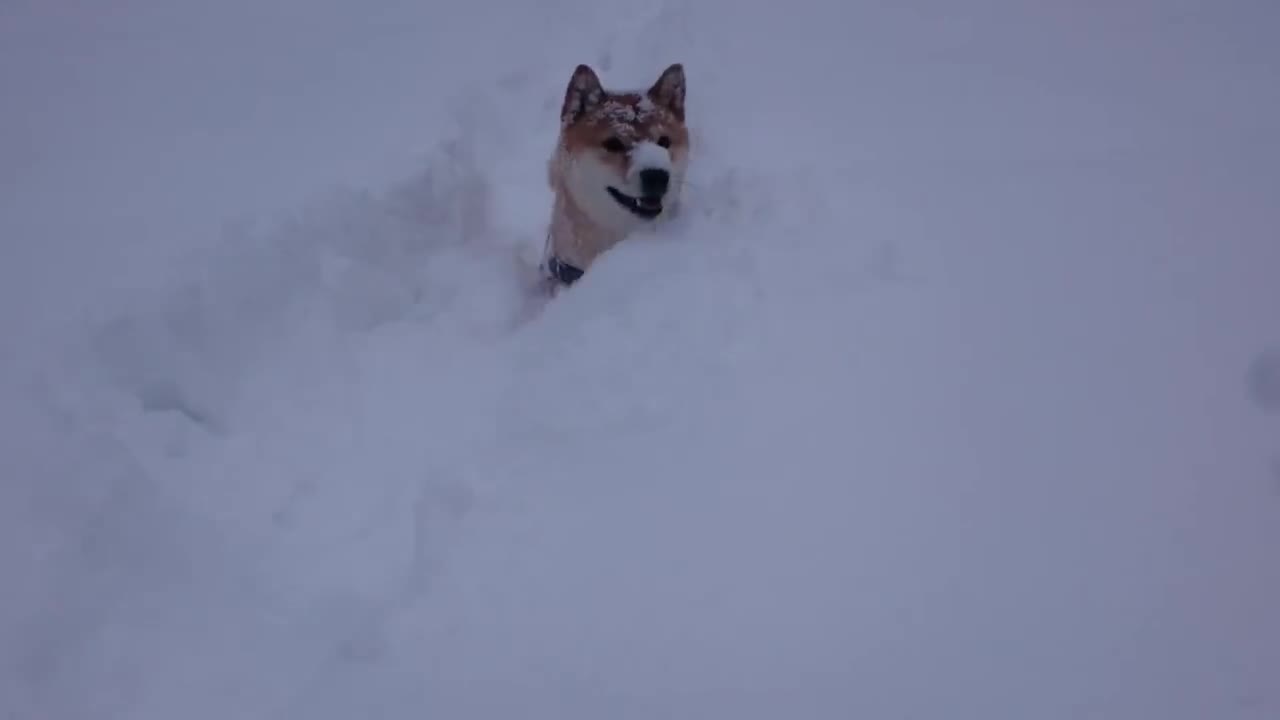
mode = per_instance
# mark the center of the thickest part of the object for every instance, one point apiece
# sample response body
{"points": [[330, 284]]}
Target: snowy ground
{"points": [[956, 394]]}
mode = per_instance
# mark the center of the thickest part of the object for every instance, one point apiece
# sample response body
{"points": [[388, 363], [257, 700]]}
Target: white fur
{"points": [[647, 156], [588, 181]]}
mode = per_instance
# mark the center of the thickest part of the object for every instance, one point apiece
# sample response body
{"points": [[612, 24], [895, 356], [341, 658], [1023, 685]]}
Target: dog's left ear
{"points": [[668, 91]]}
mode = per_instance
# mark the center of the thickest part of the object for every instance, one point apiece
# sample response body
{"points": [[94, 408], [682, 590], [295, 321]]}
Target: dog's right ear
{"points": [[584, 94]]}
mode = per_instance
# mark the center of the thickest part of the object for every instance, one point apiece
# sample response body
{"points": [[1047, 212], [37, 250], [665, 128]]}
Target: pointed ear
{"points": [[584, 94], [668, 91]]}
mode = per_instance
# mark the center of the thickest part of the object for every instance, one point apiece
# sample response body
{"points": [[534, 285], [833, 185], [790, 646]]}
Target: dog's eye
{"points": [[614, 145], [664, 141]]}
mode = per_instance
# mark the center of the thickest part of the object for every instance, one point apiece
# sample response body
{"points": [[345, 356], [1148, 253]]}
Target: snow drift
{"points": [[950, 395]]}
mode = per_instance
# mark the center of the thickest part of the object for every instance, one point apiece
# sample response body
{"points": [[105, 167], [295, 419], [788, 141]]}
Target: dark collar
{"points": [[563, 271]]}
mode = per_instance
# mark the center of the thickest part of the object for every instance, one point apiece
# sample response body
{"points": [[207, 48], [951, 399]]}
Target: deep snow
{"points": [[952, 395]]}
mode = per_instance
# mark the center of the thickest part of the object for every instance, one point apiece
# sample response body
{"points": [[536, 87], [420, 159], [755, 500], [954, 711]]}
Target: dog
{"points": [[618, 167]]}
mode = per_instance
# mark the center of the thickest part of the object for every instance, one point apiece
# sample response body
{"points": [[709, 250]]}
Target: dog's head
{"points": [[624, 154]]}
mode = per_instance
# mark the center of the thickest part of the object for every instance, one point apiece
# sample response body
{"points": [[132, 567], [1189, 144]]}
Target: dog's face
{"points": [[625, 153]]}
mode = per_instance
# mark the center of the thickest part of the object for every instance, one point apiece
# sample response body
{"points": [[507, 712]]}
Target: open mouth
{"points": [[646, 207]]}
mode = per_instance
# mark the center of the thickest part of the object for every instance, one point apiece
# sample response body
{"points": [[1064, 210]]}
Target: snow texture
{"points": [[949, 395]]}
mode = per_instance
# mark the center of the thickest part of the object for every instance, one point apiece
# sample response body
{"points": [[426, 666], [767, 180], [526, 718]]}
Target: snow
{"points": [[648, 155], [950, 394]]}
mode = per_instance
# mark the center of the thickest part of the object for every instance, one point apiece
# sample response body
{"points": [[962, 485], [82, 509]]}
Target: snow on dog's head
{"points": [[622, 156]]}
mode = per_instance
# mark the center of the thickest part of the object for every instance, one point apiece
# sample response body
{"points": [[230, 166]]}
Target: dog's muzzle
{"points": [[643, 207], [654, 183]]}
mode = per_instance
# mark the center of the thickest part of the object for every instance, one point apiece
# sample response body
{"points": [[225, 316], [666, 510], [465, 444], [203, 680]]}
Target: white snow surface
{"points": [[947, 397]]}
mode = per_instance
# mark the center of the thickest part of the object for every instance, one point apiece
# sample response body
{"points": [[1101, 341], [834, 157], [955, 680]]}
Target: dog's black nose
{"points": [[654, 182]]}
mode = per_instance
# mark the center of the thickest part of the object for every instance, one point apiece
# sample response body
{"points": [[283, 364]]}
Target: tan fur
{"points": [[590, 116]]}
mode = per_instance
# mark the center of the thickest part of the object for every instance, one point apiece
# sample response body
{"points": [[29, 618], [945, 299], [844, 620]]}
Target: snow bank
{"points": [[943, 398]]}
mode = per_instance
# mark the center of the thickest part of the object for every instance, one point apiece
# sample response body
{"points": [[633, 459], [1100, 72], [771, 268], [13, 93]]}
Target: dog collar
{"points": [[563, 271]]}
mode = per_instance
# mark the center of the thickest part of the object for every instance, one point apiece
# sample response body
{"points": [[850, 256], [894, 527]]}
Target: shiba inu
{"points": [[618, 166]]}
